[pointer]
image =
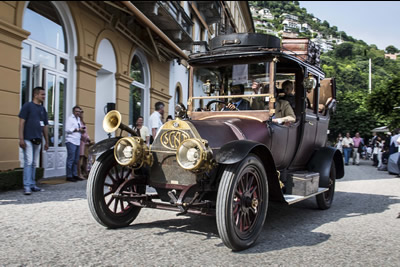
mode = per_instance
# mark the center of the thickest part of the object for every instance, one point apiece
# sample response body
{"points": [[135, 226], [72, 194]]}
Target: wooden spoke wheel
{"points": [[242, 203], [105, 177]]}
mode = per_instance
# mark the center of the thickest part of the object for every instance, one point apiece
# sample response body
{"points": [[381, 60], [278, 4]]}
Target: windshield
{"points": [[234, 82]]}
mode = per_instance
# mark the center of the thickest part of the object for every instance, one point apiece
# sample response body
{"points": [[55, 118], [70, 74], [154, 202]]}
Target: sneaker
{"points": [[78, 178], [27, 191], [37, 189], [70, 179]]}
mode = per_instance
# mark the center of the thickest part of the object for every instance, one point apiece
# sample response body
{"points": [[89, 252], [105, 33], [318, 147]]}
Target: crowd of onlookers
{"points": [[378, 149]]}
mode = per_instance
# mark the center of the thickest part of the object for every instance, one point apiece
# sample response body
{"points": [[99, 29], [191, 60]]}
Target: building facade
{"points": [[99, 55]]}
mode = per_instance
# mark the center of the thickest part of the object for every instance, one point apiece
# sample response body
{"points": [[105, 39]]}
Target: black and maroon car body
{"points": [[225, 163]]}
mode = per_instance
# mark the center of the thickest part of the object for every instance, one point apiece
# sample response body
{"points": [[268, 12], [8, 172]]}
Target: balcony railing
{"points": [[171, 18]]}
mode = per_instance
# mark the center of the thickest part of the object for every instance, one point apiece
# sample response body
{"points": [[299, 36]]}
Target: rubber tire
{"points": [[95, 195], [324, 200], [224, 211]]}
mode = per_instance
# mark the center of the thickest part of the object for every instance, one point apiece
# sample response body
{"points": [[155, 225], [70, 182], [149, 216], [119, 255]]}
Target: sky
{"points": [[374, 22]]}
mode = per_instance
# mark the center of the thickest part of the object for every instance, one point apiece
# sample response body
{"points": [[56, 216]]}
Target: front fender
{"points": [[103, 145], [235, 151], [321, 162]]}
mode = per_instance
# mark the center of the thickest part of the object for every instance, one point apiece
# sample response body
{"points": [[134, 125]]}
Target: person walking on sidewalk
{"points": [[348, 144], [74, 130], [358, 144], [33, 123]]}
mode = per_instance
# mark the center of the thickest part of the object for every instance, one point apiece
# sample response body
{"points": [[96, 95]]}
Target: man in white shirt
{"points": [[347, 143], [73, 132], [155, 118]]}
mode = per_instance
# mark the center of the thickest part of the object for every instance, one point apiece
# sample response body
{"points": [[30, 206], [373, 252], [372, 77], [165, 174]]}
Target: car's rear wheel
{"points": [[242, 203], [105, 177], [325, 199]]}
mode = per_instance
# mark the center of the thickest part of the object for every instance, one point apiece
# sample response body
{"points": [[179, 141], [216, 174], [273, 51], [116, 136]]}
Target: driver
{"points": [[237, 102], [283, 111]]}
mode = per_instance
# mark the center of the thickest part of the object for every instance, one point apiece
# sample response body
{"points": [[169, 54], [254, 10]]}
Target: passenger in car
{"points": [[287, 87], [283, 111], [238, 102]]}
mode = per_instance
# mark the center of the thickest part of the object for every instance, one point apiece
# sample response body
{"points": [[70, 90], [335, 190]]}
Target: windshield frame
{"points": [[271, 89]]}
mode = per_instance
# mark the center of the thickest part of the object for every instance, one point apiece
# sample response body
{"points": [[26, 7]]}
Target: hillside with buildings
{"points": [[364, 105]]}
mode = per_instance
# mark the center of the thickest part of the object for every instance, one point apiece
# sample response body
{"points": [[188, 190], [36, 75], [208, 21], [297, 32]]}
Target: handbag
{"points": [[36, 141]]}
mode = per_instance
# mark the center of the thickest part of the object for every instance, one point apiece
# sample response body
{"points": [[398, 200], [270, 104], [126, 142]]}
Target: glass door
{"points": [[54, 160]]}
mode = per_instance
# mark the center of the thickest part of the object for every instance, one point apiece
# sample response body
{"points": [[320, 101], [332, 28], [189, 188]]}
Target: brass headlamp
{"points": [[194, 155], [132, 151]]}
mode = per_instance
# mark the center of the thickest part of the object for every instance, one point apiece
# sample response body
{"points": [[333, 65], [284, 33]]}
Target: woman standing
{"points": [[142, 130]]}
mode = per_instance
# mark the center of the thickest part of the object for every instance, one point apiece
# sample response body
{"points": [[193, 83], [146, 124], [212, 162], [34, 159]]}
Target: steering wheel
{"points": [[213, 102]]}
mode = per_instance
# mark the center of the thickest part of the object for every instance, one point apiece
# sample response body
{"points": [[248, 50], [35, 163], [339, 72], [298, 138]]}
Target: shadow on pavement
{"points": [[53, 192], [285, 226]]}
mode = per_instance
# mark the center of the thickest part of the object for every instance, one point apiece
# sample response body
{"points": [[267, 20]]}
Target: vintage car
{"points": [[221, 161]]}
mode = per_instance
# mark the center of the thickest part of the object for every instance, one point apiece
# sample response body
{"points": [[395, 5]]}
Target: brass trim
{"points": [[230, 115], [229, 96]]}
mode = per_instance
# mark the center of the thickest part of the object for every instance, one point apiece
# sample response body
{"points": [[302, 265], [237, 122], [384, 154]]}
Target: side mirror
{"points": [[310, 83]]}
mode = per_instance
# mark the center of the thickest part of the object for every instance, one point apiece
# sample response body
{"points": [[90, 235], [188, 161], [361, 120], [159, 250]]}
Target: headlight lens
{"points": [[128, 151], [193, 155]]}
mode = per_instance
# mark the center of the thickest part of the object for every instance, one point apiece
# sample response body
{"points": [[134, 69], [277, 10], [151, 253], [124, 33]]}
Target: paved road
{"points": [[55, 228]]}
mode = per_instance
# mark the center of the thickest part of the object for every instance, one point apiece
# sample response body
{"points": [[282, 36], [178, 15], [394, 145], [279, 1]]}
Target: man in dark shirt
{"points": [[33, 122], [238, 103]]}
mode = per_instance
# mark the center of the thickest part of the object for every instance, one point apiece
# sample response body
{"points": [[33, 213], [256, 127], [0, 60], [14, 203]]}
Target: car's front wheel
{"points": [[105, 178], [242, 203]]}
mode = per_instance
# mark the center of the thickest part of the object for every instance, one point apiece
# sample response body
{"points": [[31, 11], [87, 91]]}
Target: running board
{"points": [[291, 199]]}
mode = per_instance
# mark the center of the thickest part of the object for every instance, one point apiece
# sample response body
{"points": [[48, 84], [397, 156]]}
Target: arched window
{"points": [[177, 95], [137, 88], [44, 22]]}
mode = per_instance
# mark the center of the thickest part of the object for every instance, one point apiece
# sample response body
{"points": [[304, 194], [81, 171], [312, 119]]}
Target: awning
{"points": [[382, 129]]}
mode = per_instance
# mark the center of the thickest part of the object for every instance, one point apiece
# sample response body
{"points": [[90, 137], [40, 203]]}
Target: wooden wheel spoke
{"points": [[107, 184], [112, 177], [107, 194], [122, 205], [250, 184], [115, 205], [253, 190], [110, 201], [116, 172]]}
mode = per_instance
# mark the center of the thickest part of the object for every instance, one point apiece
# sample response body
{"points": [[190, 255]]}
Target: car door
{"points": [[308, 128]]}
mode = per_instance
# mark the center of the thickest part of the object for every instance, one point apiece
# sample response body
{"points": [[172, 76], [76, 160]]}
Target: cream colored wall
{"points": [[90, 30], [11, 38]]}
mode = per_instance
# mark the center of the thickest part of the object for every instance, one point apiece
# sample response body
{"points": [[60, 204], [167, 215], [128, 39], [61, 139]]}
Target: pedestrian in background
{"points": [[348, 144], [141, 130], [33, 125], [339, 143], [374, 150], [83, 149], [155, 119], [74, 130], [357, 148], [169, 118]]}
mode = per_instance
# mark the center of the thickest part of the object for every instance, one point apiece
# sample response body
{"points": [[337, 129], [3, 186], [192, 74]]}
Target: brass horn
{"points": [[112, 121]]}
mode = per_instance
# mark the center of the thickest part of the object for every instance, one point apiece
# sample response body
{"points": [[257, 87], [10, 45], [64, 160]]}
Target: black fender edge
{"points": [[235, 151], [103, 145], [321, 162]]}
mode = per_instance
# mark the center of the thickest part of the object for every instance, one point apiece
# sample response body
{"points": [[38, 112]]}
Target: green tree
{"points": [[391, 49], [344, 50], [384, 100]]}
